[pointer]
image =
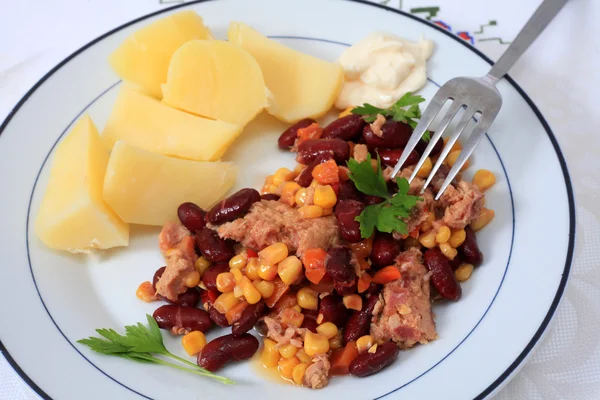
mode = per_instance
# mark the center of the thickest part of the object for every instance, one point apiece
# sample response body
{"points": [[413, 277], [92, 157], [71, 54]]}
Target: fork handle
{"points": [[536, 24]]}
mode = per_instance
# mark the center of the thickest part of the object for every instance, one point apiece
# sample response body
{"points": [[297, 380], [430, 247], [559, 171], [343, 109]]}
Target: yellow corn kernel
{"points": [[425, 169], [251, 294], [237, 274], [269, 188], [252, 268], [288, 350], [428, 239], [484, 179], [273, 254], [269, 355], [267, 272], [411, 242], [226, 282], [443, 235], [193, 342], [192, 279], [324, 196], [238, 292], [463, 272], [297, 308], [352, 302], [485, 217], [301, 196], [457, 238], [302, 356], [201, 265], [373, 349], [288, 193], [265, 288], [428, 223], [453, 156], [307, 298], [327, 211], [347, 111], [282, 175], [364, 343], [286, 367], [226, 302], [337, 341], [146, 292], [315, 343], [290, 269], [298, 373], [239, 261], [327, 329], [449, 251], [312, 211], [455, 146]]}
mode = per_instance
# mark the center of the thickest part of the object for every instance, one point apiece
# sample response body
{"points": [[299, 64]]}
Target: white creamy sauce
{"points": [[381, 68]]}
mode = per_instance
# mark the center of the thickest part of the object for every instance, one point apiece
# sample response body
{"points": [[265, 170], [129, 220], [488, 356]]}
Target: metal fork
{"points": [[475, 95]]}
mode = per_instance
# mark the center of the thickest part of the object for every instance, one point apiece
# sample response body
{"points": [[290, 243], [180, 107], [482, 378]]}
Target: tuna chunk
{"points": [[178, 247], [360, 152], [403, 313], [272, 221], [317, 374], [462, 204]]}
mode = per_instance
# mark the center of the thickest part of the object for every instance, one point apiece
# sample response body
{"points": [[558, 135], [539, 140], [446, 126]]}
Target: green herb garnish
{"points": [[387, 216], [139, 344], [398, 112]]}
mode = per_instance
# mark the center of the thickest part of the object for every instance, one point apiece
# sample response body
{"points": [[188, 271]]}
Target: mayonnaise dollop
{"points": [[381, 68]]}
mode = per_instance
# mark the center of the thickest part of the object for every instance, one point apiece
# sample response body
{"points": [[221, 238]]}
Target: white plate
{"points": [[52, 299]]}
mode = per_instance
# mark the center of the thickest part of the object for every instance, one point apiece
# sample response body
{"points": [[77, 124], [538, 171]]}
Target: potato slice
{"points": [[146, 188], [145, 122], [303, 86], [73, 215], [143, 58], [216, 79]]}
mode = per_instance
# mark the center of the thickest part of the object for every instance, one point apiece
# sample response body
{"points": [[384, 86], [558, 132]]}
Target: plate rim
{"points": [[513, 367]]}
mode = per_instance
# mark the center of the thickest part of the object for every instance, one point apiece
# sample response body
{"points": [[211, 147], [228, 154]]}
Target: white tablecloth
{"points": [[561, 73]]}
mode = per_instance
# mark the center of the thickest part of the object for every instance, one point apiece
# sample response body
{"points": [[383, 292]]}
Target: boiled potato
{"points": [[143, 58], [73, 215], [146, 188], [217, 80], [145, 122], [303, 86]]}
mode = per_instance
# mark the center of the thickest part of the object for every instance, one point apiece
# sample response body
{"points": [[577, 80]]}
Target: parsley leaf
{"points": [[390, 219], [368, 219], [365, 179]]}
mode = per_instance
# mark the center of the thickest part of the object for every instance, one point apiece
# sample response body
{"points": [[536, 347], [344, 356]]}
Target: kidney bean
{"points": [[373, 289], [270, 196], [189, 298], [333, 310], [360, 321], [442, 276], [288, 137], [469, 250], [437, 148], [310, 324], [217, 317], [338, 265], [191, 216], [385, 250], [370, 363], [209, 277], [222, 350], [189, 318], [345, 288], [455, 263], [305, 177], [310, 149], [390, 157], [348, 127], [346, 211], [348, 191], [248, 319], [394, 135], [261, 327], [213, 247], [233, 207]]}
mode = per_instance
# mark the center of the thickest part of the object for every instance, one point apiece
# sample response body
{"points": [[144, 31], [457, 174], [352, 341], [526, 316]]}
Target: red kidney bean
{"points": [[442, 276], [373, 289], [345, 288], [288, 137], [191, 216], [455, 263], [305, 177], [209, 277], [261, 327], [348, 127], [337, 265], [222, 350], [310, 324], [346, 211], [270, 196], [359, 322], [385, 250], [213, 247], [394, 135], [437, 148], [189, 318], [370, 363], [217, 317], [390, 157], [248, 319], [348, 191], [469, 250], [310, 149], [188, 298], [333, 310], [233, 207]]}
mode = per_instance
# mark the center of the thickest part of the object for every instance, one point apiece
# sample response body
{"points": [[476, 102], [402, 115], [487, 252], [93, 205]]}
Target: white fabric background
{"points": [[560, 73]]}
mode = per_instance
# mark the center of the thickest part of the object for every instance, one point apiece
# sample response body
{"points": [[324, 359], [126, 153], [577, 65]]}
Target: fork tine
{"points": [[472, 142], [464, 120], [434, 107], [454, 108]]}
